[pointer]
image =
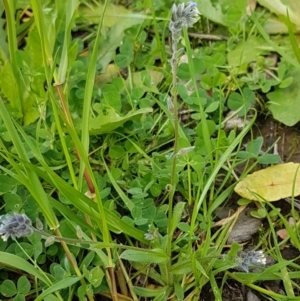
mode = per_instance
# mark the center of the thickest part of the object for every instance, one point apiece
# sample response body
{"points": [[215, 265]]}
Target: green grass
{"points": [[98, 139]]}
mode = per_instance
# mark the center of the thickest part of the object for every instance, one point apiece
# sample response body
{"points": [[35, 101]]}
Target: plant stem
{"points": [[73, 263], [174, 112]]}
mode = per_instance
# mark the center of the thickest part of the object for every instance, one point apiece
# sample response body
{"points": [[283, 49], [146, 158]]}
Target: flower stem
{"points": [[174, 65]]}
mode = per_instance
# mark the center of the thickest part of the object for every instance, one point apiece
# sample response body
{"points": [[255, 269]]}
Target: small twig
{"points": [[211, 37], [204, 36]]}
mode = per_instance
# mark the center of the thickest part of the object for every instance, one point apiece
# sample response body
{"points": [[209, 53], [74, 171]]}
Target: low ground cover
{"points": [[149, 150]]}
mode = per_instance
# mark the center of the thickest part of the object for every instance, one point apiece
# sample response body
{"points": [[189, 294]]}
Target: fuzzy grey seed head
{"points": [[183, 16], [15, 225], [249, 260]]}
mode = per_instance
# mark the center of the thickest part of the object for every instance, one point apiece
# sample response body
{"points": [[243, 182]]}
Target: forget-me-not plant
{"points": [[183, 16], [249, 260], [15, 225]]}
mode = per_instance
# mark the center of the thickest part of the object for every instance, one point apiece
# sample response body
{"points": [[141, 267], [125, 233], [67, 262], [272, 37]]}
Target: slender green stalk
{"points": [[85, 144], [74, 264], [88, 93], [160, 48], [34, 184], [46, 49], [205, 130], [13, 47], [182, 17], [174, 113]]}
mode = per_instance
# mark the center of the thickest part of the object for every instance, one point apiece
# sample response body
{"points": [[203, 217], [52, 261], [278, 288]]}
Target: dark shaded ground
{"points": [[288, 138], [232, 291]]}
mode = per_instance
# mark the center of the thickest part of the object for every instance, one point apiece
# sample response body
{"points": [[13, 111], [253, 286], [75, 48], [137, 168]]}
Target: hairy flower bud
{"points": [[248, 260], [15, 225], [183, 16]]}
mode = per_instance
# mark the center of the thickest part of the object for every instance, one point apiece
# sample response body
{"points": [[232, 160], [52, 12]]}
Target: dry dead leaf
{"points": [[226, 220], [251, 7], [280, 7], [271, 184]]}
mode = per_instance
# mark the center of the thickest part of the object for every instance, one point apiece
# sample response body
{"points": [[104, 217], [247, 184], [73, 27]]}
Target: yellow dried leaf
{"points": [[271, 184]]}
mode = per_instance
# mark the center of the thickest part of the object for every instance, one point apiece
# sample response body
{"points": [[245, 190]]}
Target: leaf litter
{"points": [[271, 184]]}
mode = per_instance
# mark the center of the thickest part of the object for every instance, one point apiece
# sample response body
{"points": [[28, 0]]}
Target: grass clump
{"points": [[116, 155]]}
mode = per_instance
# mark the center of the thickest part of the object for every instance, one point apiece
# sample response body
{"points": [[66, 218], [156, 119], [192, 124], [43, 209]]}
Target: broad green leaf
{"points": [[286, 82], [215, 287], [280, 7], [233, 250], [24, 246], [182, 267], [271, 184], [8, 84], [211, 128], [8, 288], [106, 123], [13, 202], [293, 39], [212, 107], [237, 101], [118, 19], [95, 276], [206, 82], [19, 297], [254, 146], [148, 292], [68, 15], [178, 210], [7, 183], [65, 283], [21, 264], [225, 12], [269, 159], [23, 285], [3, 37], [123, 60], [58, 272], [179, 292], [34, 49], [247, 51], [112, 97], [285, 103], [145, 256], [147, 79], [184, 71], [184, 227]]}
